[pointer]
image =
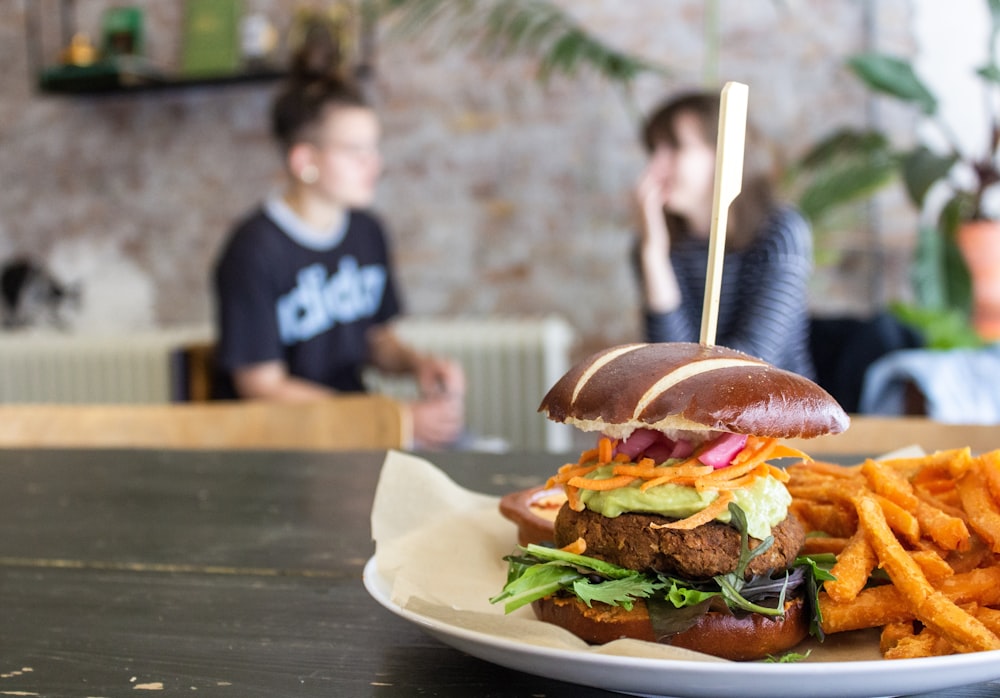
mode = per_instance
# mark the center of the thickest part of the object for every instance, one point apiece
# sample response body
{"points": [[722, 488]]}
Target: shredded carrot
{"points": [[735, 483], [783, 450], [605, 449], [754, 447], [730, 473], [573, 499], [634, 471], [611, 483], [577, 547], [748, 465], [779, 474], [569, 471], [720, 505], [643, 469], [681, 474], [667, 480], [578, 470], [691, 461]]}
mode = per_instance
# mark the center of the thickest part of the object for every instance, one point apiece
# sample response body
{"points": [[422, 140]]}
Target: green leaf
{"points": [[846, 143], [939, 274], [927, 270], [731, 593], [542, 571], [605, 569], [994, 7], [681, 595], [616, 592], [990, 73], [894, 77], [842, 184], [731, 584], [529, 28], [819, 567], [847, 166], [738, 519], [922, 168], [941, 328], [787, 658], [534, 583]]}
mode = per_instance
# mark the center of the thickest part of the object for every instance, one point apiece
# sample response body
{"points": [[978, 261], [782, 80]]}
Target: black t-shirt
{"points": [[311, 308]]}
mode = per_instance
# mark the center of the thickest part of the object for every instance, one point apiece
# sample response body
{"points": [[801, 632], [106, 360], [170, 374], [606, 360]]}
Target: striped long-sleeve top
{"points": [[763, 306]]}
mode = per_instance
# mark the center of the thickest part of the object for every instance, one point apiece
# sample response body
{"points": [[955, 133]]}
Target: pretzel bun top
{"points": [[684, 386]]}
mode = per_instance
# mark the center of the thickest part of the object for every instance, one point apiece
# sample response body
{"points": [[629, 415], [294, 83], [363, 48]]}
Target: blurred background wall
{"points": [[504, 194]]}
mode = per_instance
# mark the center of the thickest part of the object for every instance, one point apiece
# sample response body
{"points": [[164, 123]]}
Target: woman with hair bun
{"points": [[763, 307], [305, 286]]}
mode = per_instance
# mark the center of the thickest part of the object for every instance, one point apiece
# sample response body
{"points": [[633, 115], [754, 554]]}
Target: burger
{"points": [[676, 528]]}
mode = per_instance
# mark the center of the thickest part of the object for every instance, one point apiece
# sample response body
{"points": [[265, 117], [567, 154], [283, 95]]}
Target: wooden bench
{"points": [[350, 422]]}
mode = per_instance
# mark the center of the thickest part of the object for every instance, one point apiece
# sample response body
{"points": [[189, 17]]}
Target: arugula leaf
{"points": [[787, 658], [668, 619], [732, 595], [537, 571], [605, 569], [818, 567], [542, 571], [534, 583], [819, 564], [739, 519], [616, 592], [681, 594], [732, 583], [763, 586]]}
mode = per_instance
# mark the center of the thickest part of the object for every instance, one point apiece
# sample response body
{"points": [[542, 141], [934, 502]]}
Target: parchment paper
{"points": [[441, 549]]}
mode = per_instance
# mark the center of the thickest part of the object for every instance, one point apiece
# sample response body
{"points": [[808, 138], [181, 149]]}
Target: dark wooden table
{"points": [[223, 574]]}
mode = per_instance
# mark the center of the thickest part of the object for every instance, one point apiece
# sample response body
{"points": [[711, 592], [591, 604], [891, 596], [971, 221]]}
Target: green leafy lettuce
{"points": [[535, 572]]}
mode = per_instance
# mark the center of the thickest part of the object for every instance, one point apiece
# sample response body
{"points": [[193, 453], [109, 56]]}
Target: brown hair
{"points": [[315, 86], [756, 198]]}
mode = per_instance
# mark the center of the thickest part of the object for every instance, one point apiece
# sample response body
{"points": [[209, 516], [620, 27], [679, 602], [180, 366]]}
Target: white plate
{"points": [[691, 679]]}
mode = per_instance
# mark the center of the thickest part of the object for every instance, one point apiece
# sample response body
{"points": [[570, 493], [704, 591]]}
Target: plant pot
{"points": [[979, 242]]}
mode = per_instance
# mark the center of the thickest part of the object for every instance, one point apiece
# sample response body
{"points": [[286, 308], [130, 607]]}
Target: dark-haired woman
{"points": [[768, 261], [305, 285]]}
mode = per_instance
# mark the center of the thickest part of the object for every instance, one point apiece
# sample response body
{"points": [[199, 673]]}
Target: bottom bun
{"points": [[745, 637]]}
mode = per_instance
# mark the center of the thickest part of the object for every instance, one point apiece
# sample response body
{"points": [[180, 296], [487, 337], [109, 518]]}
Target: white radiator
{"points": [[510, 362], [54, 367]]}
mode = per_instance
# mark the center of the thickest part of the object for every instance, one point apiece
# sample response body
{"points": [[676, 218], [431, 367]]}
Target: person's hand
{"points": [[660, 287], [439, 415], [438, 421], [649, 206], [437, 376]]}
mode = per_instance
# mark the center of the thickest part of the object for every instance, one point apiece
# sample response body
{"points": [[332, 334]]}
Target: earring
{"points": [[309, 174]]}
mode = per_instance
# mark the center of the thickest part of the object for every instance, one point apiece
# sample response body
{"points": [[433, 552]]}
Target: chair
{"points": [[194, 366], [873, 436], [843, 348], [348, 422]]}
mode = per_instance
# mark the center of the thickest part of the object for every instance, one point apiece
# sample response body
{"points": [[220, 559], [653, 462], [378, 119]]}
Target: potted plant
{"points": [[955, 278]]}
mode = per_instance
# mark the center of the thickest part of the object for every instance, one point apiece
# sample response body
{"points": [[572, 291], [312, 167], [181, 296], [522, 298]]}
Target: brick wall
{"points": [[503, 194]]}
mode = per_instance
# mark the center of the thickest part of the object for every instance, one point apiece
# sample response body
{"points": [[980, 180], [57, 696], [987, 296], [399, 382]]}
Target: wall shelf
{"points": [[96, 80], [118, 74]]}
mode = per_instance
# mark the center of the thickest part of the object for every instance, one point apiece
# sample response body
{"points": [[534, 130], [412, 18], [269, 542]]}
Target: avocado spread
{"points": [[765, 501]]}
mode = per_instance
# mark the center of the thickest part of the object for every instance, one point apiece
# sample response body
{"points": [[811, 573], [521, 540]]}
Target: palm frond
{"points": [[529, 28]]}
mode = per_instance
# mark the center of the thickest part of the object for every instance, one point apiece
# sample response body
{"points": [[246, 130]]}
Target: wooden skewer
{"points": [[728, 183]]}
